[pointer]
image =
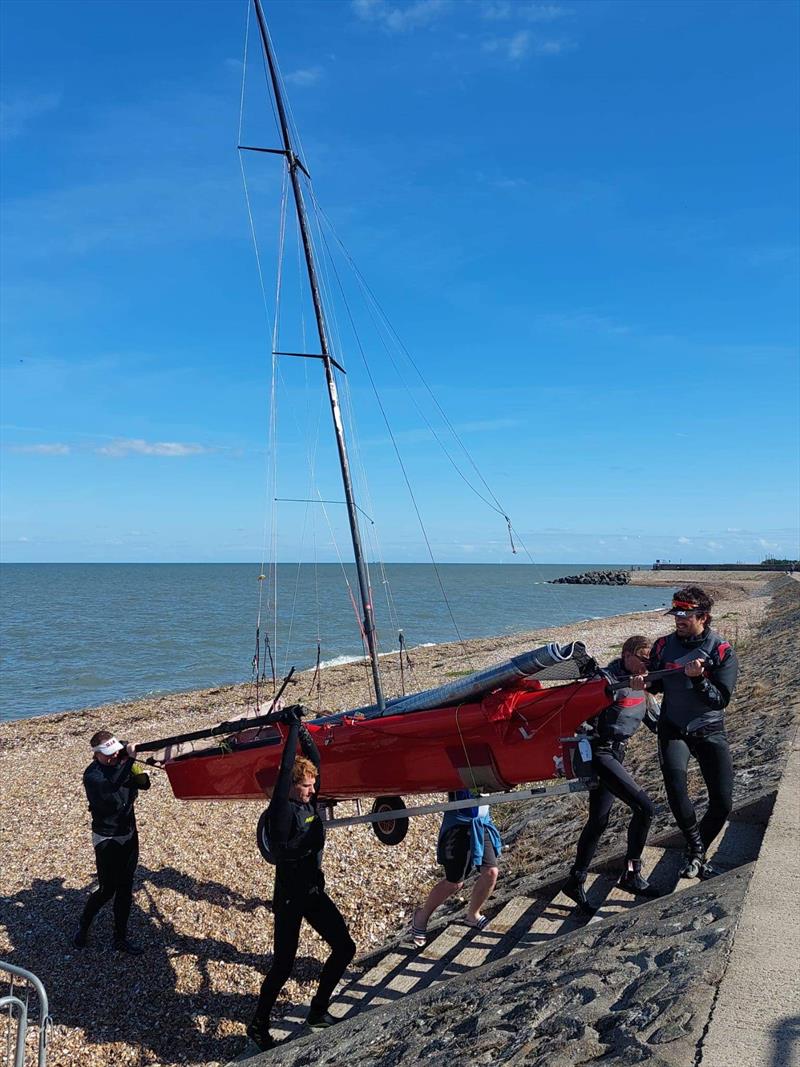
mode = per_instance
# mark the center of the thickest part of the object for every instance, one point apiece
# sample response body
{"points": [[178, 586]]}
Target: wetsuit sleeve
{"points": [[310, 751], [655, 685], [652, 713], [716, 691], [280, 815]]}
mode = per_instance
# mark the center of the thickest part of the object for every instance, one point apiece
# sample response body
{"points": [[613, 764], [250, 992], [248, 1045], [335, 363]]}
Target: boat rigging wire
{"points": [[387, 324], [385, 330], [272, 325], [464, 747], [367, 290], [338, 346], [353, 603], [398, 454], [295, 170], [364, 489]]}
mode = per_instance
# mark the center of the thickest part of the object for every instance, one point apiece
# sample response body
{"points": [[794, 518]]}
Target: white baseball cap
{"points": [[109, 748]]}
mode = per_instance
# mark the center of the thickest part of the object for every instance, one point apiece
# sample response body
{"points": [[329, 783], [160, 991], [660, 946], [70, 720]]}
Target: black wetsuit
{"points": [[692, 724], [111, 790], [297, 837], [613, 727]]}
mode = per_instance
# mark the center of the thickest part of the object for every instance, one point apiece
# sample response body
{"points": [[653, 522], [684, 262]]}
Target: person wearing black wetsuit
{"points": [[112, 782], [611, 731], [297, 837], [701, 675]]}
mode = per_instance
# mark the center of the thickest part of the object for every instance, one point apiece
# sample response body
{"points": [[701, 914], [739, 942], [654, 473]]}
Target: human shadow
{"points": [[167, 1002], [785, 1041]]}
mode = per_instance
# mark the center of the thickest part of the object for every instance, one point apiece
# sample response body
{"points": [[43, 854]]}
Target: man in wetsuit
{"points": [[611, 731], [112, 782], [297, 837], [468, 839], [701, 675]]}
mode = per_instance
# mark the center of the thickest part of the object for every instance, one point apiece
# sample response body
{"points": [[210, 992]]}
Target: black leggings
{"points": [[116, 865], [317, 908], [615, 784], [714, 756]]}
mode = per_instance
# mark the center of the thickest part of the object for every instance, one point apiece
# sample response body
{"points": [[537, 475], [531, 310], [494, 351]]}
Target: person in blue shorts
{"points": [[468, 840]]}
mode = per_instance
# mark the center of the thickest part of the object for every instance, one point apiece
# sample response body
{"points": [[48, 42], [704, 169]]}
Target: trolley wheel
{"points": [[389, 831], [262, 839]]}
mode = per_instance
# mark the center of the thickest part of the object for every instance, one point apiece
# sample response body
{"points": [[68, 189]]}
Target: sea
{"points": [[78, 635]]}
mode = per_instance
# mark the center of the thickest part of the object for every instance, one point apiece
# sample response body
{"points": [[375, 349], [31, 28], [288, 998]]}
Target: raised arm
{"points": [[280, 794], [310, 751]]}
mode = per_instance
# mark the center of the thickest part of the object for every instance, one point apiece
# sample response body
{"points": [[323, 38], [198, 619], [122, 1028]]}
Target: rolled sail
{"points": [[550, 662]]}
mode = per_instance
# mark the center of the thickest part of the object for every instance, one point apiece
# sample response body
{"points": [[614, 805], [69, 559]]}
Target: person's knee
{"points": [[490, 873], [279, 971], [347, 950], [676, 783], [645, 807], [601, 822], [453, 887]]}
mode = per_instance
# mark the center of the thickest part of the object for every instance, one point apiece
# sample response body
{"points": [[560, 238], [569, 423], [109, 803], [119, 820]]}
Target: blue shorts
{"points": [[455, 854]]}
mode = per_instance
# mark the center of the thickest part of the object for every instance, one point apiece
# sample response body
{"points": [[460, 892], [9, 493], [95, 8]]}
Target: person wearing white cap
{"points": [[112, 782]]}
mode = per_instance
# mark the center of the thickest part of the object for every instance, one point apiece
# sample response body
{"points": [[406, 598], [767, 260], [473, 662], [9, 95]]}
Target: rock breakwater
{"points": [[595, 578]]}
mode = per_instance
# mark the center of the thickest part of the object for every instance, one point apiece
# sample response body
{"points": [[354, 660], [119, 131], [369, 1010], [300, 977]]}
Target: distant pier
{"points": [[783, 567]]}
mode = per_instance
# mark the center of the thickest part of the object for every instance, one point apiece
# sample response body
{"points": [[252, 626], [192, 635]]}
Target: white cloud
{"points": [[587, 321], [523, 43], [684, 540], [499, 10], [304, 77], [510, 183], [553, 47], [17, 113], [124, 446], [401, 17], [43, 450], [514, 47]]}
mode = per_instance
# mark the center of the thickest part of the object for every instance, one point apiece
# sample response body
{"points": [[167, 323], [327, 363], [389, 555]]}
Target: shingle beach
{"points": [[201, 906]]}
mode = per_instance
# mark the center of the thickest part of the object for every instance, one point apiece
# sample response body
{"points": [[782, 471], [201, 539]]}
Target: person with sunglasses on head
{"points": [[699, 676], [609, 734], [296, 840], [112, 782]]}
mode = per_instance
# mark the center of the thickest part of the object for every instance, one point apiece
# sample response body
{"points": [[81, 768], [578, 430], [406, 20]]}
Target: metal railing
{"points": [[16, 1005]]}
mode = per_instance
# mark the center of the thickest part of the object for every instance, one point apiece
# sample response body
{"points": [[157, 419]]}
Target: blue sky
{"points": [[581, 219]]}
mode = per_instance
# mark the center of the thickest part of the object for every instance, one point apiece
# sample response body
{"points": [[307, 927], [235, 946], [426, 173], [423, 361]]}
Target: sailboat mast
{"points": [[368, 622]]}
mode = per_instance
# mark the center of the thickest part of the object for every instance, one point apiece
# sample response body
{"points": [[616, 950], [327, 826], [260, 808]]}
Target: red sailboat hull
{"points": [[508, 738]]}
